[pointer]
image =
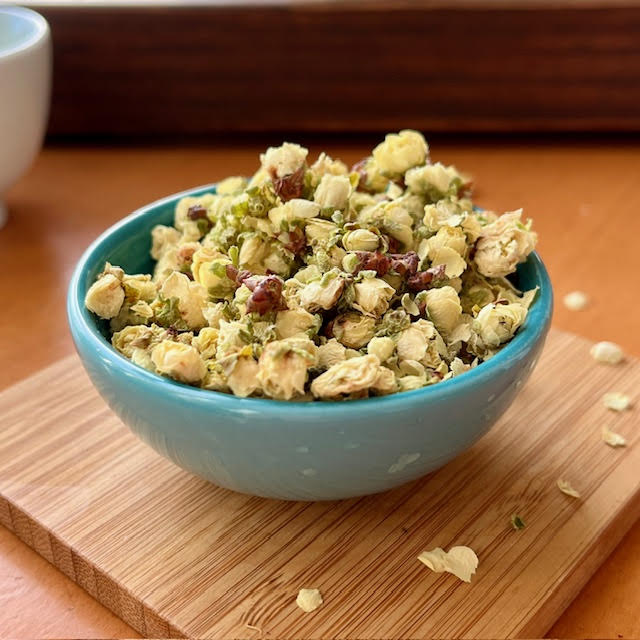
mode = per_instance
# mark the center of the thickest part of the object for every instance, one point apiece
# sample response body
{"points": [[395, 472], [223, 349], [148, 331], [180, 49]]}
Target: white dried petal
{"points": [[412, 368], [576, 301], [230, 338], [309, 599], [385, 382], [130, 338], [325, 164], [333, 192], [283, 160], [458, 367], [607, 352], [567, 489], [616, 401], [450, 237], [372, 296], [360, 240], [142, 358], [503, 244], [528, 297], [231, 185], [318, 231], [497, 323], [431, 177], [382, 348], [331, 353], [612, 438], [355, 374], [411, 344], [179, 361], [319, 295], [410, 383], [252, 253], [447, 213], [443, 306], [293, 322], [454, 265], [461, 332], [242, 376], [213, 312], [206, 342], [105, 296], [353, 329], [461, 561], [283, 367], [192, 297], [294, 210], [409, 305], [162, 238]]}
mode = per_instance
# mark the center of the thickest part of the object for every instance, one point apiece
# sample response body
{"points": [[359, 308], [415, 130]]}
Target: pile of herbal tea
{"points": [[317, 281]]}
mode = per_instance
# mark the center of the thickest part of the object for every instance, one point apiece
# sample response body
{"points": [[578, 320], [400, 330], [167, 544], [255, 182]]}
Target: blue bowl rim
{"points": [[535, 327]]}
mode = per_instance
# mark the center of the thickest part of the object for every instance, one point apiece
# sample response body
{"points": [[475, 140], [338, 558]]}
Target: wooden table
{"points": [[583, 197]]}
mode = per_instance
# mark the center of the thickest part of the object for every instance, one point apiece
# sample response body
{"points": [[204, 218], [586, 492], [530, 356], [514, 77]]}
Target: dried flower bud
{"points": [[289, 186], [266, 296], [425, 279]]}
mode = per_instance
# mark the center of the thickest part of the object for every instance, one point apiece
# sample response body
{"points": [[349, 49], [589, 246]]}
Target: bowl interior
{"points": [[19, 28], [127, 245]]}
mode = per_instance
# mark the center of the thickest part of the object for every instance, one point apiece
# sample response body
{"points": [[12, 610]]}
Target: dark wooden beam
{"points": [[195, 71]]}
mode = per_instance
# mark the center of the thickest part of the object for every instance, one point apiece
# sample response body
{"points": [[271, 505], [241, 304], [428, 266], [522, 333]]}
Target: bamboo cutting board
{"points": [[175, 556]]}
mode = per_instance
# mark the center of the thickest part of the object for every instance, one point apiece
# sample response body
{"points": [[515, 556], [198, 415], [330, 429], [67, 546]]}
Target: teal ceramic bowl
{"points": [[295, 451]]}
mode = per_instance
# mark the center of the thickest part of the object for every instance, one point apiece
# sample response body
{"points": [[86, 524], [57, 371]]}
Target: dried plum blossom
{"points": [[321, 294], [179, 361], [330, 353], [333, 192], [399, 152], [284, 160], [382, 348], [353, 329], [191, 297], [503, 244], [349, 376], [496, 323], [443, 307], [311, 281], [372, 296], [105, 296], [283, 367], [241, 375]]}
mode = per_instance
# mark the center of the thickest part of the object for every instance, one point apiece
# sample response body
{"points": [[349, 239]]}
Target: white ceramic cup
{"points": [[25, 88]]}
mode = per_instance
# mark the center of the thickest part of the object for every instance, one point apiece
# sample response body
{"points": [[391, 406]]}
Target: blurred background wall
{"points": [[172, 69]]}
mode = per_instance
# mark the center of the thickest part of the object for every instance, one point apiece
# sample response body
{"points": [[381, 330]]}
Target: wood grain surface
{"points": [[583, 197], [344, 66], [173, 556]]}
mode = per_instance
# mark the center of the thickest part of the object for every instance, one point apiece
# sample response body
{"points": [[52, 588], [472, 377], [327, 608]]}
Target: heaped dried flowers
{"points": [[313, 281]]}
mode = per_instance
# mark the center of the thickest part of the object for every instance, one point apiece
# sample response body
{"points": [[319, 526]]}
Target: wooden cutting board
{"points": [[175, 556]]}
